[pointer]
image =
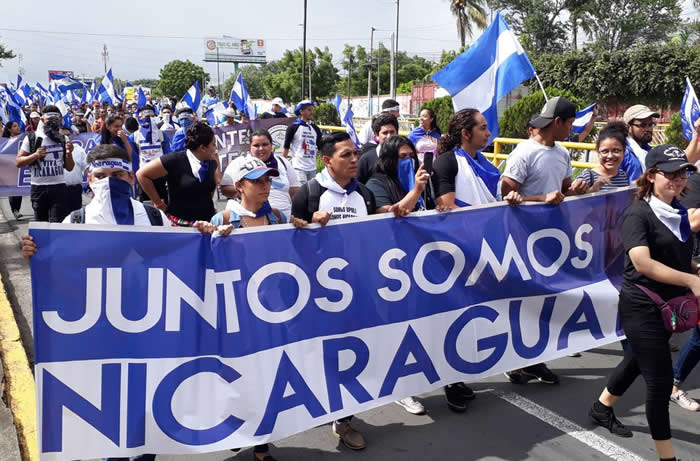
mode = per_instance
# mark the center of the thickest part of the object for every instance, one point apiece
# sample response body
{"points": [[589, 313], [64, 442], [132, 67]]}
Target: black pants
{"points": [[15, 203], [49, 202], [161, 187], [648, 354], [74, 197]]}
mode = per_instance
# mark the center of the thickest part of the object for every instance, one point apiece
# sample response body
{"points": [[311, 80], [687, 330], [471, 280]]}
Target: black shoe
{"points": [[466, 391], [608, 420], [541, 373], [455, 399], [269, 457], [515, 377]]}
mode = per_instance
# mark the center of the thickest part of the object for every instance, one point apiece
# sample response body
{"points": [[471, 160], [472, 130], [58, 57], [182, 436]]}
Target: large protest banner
{"points": [[150, 340], [231, 141]]}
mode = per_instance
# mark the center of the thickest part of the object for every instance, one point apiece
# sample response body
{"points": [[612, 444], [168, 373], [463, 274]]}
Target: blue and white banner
{"points": [[485, 73], [690, 110], [345, 115], [583, 117], [151, 340]]}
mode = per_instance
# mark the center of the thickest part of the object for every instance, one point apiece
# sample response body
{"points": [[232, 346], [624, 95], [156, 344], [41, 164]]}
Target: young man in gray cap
{"points": [[540, 170], [640, 129]]}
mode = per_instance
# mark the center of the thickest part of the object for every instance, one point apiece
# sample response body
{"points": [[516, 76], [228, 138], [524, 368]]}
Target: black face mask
{"points": [[51, 129]]}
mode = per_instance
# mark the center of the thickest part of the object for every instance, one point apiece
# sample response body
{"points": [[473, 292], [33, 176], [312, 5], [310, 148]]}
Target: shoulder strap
{"points": [[314, 197], [78, 216], [275, 213], [283, 161], [154, 215], [653, 296], [367, 197]]}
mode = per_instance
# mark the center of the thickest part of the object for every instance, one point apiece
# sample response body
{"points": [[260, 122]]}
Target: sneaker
{"points": [[515, 377], [455, 399], [350, 437], [682, 400], [412, 405], [575, 354], [466, 391], [541, 373], [608, 420]]}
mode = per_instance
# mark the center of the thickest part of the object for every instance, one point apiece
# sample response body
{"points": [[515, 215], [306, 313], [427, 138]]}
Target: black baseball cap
{"points": [[668, 158], [555, 107]]}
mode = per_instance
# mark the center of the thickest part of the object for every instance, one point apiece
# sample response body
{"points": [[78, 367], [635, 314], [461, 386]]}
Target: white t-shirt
{"points": [[342, 206], [366, 133], [48, 170], [76, 175], [304, 148], [539, 169]]}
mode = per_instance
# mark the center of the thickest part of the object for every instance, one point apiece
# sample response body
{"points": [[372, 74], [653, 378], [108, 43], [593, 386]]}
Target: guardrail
{"points": [[497, 157]]}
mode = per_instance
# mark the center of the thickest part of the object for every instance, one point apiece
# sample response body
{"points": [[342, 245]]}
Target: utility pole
{"points": [[303, 56], [349, 76], [105, 55], [392, 71], [379, 90], [396, 52], [369, 73], [218, 75], [20, 60], [310, 97]]}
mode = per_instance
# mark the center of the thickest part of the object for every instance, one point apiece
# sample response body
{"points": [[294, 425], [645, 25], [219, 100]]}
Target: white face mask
{"points": [[111, 203]]}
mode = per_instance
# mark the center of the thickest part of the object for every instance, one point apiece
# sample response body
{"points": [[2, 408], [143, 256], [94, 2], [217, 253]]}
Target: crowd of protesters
{"points": [[139, 176]]}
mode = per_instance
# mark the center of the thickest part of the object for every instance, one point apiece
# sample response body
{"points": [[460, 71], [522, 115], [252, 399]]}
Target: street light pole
{"points": [[303, 56], [369, 73], [396, 52]]}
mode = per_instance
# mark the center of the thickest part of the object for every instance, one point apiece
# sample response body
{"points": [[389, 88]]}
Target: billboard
{"points": [[234, 50]]}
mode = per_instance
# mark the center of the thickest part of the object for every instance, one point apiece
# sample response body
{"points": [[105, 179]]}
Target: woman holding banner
{"points": [[658, 263]]}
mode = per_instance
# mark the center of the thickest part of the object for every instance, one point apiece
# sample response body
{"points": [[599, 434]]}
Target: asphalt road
{"points": [[506, 422]]}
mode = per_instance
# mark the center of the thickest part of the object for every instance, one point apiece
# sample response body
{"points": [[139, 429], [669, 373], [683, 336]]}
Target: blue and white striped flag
{"points": [[582, 118], [690, 110], [67, 117], [141, 100], [240, 99], [65, 83], [106, 92], [43, 92], [193, 97], [345, 114], [214, 113], [87, 95], [11, 111], [490, 69]]}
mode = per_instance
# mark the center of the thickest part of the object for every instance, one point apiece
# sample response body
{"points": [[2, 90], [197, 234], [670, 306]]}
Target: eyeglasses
{"points": [[644, 125], [261, 181], [680, 174], [610, 152]]}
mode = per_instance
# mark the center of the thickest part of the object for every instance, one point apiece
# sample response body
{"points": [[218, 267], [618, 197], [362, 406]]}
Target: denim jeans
{"points": [[688, 358]]}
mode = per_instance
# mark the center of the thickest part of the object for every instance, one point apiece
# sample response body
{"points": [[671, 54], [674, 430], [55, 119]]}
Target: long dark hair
{"points": [[463, 119], [106, 136], [433, 120], [613, 130], [388, 161], [6, 131]]}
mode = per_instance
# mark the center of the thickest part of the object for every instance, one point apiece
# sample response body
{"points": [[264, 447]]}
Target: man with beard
{"points": [[640, 126], [151, 143], [47, 152]]}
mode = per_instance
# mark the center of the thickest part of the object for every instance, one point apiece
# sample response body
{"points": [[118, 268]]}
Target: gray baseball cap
{"points": [[558, 106]]}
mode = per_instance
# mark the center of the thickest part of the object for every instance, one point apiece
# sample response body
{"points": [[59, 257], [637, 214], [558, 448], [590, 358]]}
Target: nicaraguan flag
{"points": [[214, 113], [43, 92], [582, 118], [345, 114], [240, 99], [67, 117], [106, 92], [193, 97], [489, 70], [64, 83], [12, 112], [142, 99], [690, 110]]}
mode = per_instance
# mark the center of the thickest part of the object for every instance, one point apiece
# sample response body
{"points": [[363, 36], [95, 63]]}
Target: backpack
{"points": [[315, 190], [274, 217], [154, 216]]}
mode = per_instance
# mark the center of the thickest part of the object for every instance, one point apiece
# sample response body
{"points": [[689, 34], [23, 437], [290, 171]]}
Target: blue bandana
{"points": [[120, 195]]}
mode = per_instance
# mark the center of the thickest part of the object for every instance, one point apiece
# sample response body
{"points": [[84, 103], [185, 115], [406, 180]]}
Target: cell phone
{"points": [[428, 162]]}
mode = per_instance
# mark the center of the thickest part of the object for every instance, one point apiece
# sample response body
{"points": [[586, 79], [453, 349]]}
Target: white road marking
{"points": [[589, 438]]}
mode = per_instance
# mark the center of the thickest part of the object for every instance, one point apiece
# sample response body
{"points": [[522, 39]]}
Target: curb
{"points": [[20, 388]]}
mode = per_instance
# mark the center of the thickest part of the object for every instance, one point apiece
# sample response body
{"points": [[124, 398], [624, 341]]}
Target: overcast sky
{"points": [[176, 30]]}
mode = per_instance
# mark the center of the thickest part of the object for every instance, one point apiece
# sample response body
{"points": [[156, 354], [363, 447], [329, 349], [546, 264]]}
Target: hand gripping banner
{"points": [[151, 340]]}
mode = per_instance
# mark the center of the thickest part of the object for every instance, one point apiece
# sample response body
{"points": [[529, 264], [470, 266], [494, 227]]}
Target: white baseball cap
{"points": [[278, 101], [249, 167]]}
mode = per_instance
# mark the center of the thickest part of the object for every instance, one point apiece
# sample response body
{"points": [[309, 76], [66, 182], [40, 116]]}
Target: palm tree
{"points": [[467, 13]]}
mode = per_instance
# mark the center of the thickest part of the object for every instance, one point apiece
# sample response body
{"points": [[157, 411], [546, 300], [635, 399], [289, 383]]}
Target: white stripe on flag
{"points": [[479, 94]]}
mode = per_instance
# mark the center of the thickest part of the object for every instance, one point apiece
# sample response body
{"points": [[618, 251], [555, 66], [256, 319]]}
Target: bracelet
{"points": [[160, 205]]}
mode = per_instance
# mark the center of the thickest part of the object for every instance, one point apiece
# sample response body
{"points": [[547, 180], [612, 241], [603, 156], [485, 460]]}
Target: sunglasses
{"points": [[682, 174]]}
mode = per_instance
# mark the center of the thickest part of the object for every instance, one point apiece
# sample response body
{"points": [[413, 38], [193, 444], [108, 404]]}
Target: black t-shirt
{"points": [[189, 198], [365, 167], [641, 227], [691, 198], [273, 115], [445, 169]]}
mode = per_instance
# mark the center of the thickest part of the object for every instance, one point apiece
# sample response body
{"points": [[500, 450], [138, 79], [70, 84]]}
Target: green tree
{"points": [[674, 132], [468, 13], [176, 77], [443, 111], [284, 76], [621, 24], [539, 23], [326, 114], [253, 76], [5, 53]]}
